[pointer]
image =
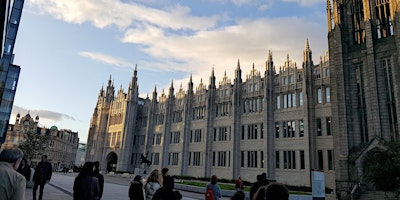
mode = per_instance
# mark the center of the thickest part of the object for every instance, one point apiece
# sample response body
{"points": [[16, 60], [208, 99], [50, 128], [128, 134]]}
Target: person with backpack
{"points": [[213, 191]]}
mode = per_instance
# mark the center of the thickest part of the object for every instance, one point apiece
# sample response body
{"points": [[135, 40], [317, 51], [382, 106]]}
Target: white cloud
{"points": [[107, 59], [248, 40], [304, 2], [103, 13], [195, 44], [43, 114]]}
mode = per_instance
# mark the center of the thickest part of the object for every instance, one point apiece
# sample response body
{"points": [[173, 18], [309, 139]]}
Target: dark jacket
{"points": [[165, 194], [254, 187], [136, 191], [86, 188], [25, 171], [43, 172], [100, 178]]}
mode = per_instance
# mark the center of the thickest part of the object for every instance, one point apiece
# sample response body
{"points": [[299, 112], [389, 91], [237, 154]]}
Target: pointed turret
{"points": [[270, 63], [329, 14], [171, 89], [212, 80], [238, 73], [307, 54], [190, 85], [154, 93], [110, 90]]}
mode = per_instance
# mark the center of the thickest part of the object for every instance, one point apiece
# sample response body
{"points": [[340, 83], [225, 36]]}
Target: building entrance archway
{"points": [[112, 159]]}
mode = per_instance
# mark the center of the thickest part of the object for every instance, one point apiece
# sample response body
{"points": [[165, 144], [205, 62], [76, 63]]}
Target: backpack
{"points": [[209, 194]]}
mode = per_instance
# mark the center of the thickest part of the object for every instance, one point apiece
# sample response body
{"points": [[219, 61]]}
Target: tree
{"points": [[382, 167], [34, 144]]}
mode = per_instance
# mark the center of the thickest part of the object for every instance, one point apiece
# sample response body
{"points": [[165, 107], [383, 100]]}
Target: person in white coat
{"points": [[152, 184]]}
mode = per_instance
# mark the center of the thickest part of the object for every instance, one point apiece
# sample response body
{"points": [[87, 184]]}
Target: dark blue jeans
{"points": [[35, 187]]}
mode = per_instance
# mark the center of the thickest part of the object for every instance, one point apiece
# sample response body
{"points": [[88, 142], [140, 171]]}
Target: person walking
{"points": [[213, 185], [99, 177], [42, 175], [166, 191], [136, 189], [255, 186], [86, 187], [152, 184], [25, 170], [239, 184], [12, 184]]}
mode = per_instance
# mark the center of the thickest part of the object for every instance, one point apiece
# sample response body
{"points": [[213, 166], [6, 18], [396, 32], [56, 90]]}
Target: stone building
{"points": [[277, 121], [63, 143], [364, 41]]}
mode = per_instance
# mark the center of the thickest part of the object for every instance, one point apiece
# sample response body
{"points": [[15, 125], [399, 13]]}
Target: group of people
{"points": [[262, 189], [158, 186], [89, 183], [14, 172]]}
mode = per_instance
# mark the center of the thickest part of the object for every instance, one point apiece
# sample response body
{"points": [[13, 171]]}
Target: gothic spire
{"points": [[329, 14], [307, 54]]}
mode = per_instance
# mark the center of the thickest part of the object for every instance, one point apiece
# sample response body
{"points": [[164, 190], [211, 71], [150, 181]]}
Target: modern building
{"points": [[10, 15], [364, 42], [276, 121], [62, 146]]}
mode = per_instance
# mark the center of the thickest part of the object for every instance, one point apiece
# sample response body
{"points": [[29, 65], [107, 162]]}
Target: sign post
{"points": [[318, 185]]}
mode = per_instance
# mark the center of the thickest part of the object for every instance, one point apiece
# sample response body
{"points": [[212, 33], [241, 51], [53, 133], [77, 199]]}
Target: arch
{"points": [[112, 159]]}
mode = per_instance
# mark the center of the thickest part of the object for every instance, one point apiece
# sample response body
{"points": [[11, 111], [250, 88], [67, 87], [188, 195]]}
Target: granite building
{"points": [[364, 60], [276, 121]]}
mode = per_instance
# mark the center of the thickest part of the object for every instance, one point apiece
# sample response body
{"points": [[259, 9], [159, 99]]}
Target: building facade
{"points": [[62, 145], [10, 16], [276, 121], [364, 60]]}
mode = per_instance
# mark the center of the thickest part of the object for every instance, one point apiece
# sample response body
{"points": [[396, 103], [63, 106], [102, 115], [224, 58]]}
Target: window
{"points": [[262, 159], [289, 159], [223, 158], [300, 98], [320, 160], [284, 127], [328, 126], [173, 158], [294, 99], [277, 164], [302, 160], [252, 159], [155, 158], [285, 101], [194, 158], [278, 102], [330, 160], [195, 136], [242, 159], [157, 139], [301, 128], [319, 128], [175, 137], [277, 130], [327, 94], [319, 95]]}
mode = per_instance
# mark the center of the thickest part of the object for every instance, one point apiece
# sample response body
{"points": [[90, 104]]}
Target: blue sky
{"points": [[67, 49]]}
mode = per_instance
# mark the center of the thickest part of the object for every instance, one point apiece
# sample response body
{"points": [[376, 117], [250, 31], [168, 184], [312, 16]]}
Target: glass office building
{"points": [[10, 11]]}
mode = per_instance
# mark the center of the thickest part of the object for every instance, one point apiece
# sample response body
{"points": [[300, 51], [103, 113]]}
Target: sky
{"points": [[69, 49]]}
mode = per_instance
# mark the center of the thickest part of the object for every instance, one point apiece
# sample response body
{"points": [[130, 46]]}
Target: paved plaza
{"points": [[115, 188]]}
